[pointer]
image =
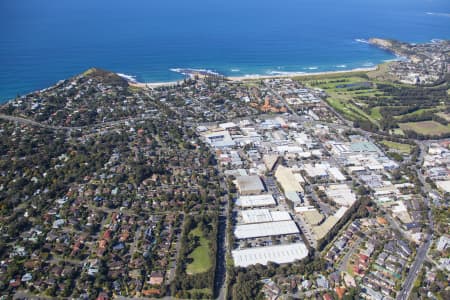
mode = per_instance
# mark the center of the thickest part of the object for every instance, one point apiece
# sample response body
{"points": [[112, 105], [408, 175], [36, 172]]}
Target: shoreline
{"points": [[153, 85], [256, 76], [301, 74]]}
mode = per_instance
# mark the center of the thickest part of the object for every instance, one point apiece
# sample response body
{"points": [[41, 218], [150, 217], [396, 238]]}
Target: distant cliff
{"points": [[398, 48], [382, 43], [425, 63]]}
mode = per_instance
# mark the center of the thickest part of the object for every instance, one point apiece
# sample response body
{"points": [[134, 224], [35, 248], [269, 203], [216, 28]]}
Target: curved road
{"points": [[94, 126]]}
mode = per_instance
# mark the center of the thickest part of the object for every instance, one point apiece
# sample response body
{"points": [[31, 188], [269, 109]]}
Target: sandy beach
{"points": [[299, 74], [253, 77], [154, 84]]}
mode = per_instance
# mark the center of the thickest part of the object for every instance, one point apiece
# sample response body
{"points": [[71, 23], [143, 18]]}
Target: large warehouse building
{"points": [[249, 185], [279, 254], [255, 201], [264, 215], [248, 231], [290, 183], [288, 180], [341, 194], [220, 139]]}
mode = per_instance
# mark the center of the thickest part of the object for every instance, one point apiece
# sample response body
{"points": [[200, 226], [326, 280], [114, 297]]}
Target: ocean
{"points": [[43, 41]]}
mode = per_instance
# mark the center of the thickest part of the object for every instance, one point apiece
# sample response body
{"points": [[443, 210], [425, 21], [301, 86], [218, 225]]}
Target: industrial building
{"points": [[248, 231], [265, 200], [249, 185], [336, 174], [220, 139], [270, 161], [263, 215], [279, 254], [288, 180], [444, 185], [341, 194]]}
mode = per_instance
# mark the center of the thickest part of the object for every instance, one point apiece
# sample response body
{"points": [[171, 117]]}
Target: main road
{"points": [[423, 249], [92, 127]]}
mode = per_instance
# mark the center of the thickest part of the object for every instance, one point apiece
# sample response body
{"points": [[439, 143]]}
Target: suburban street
{"points": [[221, 279], [423, 249]]}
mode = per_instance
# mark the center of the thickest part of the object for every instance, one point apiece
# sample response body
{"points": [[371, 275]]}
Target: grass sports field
{"points": [[373, 97], [426, 127], [201, 255], [403, 148]]}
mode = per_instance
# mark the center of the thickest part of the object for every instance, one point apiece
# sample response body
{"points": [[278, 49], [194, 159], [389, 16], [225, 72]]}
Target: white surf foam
{"points": [[368, 64], [283, 73], [130, 78], [364, 41], [185, 71], [438, 14]]}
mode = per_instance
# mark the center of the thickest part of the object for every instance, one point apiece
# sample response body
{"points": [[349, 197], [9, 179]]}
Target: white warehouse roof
{"points": [[228, 125], [247, 231], [262, 255], [221, 139], [444, 185], [336, 174], [264, 215], [256, 201], [341, 194], [280, 216]]}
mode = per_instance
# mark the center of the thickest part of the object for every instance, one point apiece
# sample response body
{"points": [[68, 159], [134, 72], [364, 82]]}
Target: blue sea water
{"points": [[43, 41]]}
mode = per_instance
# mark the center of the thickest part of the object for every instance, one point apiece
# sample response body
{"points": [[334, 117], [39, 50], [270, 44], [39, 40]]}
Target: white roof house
{"points": [[220, 139], [262, 255]]}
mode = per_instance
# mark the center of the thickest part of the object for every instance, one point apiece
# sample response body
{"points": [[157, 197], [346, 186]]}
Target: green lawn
{"points": [[355, 102], [339, 97], [344, 108], [201, 255], [420, 111], [375, 113], [330, 76], [403, 148], [205, 291], [397, 131], [426, 127], [340, 102]]}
